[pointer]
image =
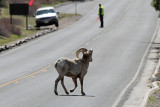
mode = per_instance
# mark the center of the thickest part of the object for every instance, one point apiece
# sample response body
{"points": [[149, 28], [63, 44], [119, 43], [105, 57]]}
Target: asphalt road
{"points": [[27, 72]]}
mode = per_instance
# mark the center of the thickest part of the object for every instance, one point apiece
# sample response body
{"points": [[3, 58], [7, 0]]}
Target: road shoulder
{"points": [[140, 93]]}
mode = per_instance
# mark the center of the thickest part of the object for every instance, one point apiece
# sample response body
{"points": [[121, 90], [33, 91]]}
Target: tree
{"points": [[156, 5], [3, 3]]}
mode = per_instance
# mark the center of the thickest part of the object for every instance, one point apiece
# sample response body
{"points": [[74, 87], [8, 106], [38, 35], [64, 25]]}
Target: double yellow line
{"points": [[30, 75]]}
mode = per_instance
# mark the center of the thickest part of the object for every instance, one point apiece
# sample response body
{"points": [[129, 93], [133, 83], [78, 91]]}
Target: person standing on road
{"points": [[101, 14]]}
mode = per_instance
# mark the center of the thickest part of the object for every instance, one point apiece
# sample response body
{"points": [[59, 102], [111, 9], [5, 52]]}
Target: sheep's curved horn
{"points": [[80, 50]]}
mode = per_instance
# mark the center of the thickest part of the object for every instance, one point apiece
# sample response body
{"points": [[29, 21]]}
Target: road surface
{"points": [[27, 72]]}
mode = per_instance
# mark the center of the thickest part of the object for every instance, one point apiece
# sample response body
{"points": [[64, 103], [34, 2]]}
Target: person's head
{"points": [[99, 5]]}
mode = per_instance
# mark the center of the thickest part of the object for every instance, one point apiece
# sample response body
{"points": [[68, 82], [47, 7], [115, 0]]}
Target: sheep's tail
{"points": [[56, 64]]}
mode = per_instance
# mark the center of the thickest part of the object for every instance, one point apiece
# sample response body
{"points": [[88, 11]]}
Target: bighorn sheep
{"points": [[74, 68]]}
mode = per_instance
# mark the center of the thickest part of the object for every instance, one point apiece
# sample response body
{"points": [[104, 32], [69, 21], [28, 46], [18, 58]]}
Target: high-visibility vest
{"points": [[102, 12]]}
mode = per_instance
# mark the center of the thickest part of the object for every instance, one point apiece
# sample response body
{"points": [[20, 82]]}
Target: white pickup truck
{"points": [[46, 16]]}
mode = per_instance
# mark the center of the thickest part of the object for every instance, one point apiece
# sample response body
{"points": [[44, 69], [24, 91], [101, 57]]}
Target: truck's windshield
{"points": [[45, 11]]}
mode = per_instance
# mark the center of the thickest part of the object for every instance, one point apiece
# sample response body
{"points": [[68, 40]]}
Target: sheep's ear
{"points": [[91, 50]]}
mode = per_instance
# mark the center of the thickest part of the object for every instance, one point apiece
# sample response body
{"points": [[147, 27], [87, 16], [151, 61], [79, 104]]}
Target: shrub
{"points": [[46, 1], [15, 30], [14, 21], [17, 1], [17, 21], [3, 3], [156, 5], [7, 28], [3, 31], [33, 8]]}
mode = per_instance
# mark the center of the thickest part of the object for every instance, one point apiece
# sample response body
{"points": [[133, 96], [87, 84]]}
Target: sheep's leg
{"points": [[75, 83], [81, 81], [62, 82], [56, 83]]}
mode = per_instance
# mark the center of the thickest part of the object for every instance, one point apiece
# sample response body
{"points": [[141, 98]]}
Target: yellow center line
{"points": [[30, 75]]}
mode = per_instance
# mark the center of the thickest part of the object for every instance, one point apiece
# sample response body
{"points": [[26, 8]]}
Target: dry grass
{"points": [[154, 99]]}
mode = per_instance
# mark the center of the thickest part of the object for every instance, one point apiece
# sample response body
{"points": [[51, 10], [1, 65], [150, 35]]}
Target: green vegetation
{"points": [[154, 99], [7, 40], [156, 5], [151, 100], [3, 3]]}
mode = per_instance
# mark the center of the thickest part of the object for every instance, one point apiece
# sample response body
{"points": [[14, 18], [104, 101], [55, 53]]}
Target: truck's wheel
{"points": [[56, 24]]}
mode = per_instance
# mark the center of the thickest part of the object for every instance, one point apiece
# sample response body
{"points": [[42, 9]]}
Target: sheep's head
{"points": [[87, 54]]}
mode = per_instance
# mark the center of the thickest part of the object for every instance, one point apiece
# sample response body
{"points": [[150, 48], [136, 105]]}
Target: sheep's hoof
{"points": [[67, 93], [56, 93], [71, 91], [83, 93]]}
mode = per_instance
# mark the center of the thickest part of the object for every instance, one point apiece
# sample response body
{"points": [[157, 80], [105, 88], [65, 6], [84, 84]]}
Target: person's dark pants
{"points": [[101, 20]]}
